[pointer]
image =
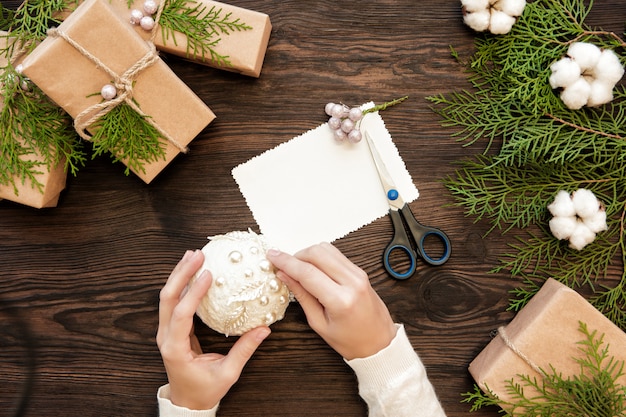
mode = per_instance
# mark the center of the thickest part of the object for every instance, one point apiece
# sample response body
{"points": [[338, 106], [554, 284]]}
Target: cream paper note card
{"points": [[313, 189]]}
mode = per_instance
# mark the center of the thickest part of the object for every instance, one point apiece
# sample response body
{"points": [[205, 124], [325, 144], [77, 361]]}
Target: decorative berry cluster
{"points": [[577, 217], [344, 121], [586, 75], [146, 21]]}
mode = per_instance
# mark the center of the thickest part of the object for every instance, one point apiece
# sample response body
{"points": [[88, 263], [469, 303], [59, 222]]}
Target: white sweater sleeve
{"points": [[393, 382], [168, 409]]}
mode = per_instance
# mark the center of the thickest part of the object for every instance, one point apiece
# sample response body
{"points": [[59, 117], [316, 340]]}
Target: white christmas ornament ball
{"points": [[150, 6], [135, 16], [245, 292], [147, 23], [108, 92]]}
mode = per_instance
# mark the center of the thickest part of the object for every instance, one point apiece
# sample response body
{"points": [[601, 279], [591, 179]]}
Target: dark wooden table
{"points": [[79, 283]]}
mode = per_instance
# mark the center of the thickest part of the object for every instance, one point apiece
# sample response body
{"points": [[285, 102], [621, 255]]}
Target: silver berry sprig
{"points": [[345, 121]]}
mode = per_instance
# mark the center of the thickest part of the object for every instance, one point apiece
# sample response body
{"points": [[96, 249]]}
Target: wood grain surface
{"points": [[79, 283]]}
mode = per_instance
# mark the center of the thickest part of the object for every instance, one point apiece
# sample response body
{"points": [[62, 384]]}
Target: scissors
{"points": [[401, 214]]}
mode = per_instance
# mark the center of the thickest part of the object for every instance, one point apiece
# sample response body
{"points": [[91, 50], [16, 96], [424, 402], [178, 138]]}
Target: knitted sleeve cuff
{"points": [[168, 409], [377, 371]]}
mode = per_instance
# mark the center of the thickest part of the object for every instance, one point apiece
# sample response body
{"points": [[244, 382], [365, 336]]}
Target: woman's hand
{"points": [[338, 300], [197, 381]]}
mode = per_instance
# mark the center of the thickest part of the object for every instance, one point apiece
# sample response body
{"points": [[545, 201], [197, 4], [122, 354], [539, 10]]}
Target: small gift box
{"points": [[48, 178], [238, 35], [544, 336], [93, 48]]}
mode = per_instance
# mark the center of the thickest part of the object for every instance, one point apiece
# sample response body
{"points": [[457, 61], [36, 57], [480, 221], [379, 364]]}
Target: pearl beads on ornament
{"points": [[108, 92], [150, 6], [235, 257], [135, 16], [147, 23]]}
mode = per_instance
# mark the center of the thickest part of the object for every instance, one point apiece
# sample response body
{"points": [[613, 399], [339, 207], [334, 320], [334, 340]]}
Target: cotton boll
{"points": [[585, 202], [585, 54], [479, 21], [500, 22], [562, 206], [510, 7], [609, 68], [472, 6], [581, 237], [562, 227], [576, 95], [565, 72], [601, 93], [596, 222]]}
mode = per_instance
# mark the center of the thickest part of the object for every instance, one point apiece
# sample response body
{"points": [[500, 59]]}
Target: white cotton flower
{"points": [[479, 21], [562, 206], [562, 227], [565, 72], [472, 6], [510, 7], [596, 222], [585, 54], [576, 95], [500, 22], [585, 202], [581, 236], [609, 67], [600, 93]]}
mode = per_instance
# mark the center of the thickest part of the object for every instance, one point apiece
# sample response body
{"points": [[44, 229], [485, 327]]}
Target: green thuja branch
{"points": [[31, 21], [534, 146], [596, 391], [35, 134], [202, 27], [129, 137]]}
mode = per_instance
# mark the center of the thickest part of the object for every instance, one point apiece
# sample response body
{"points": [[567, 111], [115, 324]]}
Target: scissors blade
{"points": [[391, 191]]}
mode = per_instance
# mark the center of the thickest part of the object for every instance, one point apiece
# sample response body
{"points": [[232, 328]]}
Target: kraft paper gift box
{"points": [[546, 332], [245, 49], [51, 178], [73, 80]]}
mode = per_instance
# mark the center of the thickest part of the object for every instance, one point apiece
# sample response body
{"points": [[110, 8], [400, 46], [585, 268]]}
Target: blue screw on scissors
{"points": [[401, 214]]}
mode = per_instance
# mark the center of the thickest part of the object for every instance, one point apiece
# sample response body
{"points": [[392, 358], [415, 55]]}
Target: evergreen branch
{"points": [[128, 137], [35, 134], [201, 28], [543, 147], [595, 391]]}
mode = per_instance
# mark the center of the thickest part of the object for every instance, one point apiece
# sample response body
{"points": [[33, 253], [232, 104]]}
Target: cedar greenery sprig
{"points": [[35, 134], [128, 137], [543, 147], [202, 26], [30, 22], [594, 392]]}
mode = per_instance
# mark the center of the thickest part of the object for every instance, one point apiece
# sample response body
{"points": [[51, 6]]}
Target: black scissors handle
{"points": [[402, 242]]}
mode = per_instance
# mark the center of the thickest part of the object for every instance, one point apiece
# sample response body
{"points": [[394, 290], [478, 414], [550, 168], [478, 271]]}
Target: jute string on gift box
{"points": [[509, 343], [124, 85]]}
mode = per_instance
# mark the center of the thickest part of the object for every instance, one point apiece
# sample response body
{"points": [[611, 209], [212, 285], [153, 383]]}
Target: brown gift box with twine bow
{"points": [[52, 178], [544, 333], [73, 78], [245, 49]]}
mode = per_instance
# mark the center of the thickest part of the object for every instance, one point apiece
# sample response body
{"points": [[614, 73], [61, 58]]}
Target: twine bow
{"points": [[124, 85]]}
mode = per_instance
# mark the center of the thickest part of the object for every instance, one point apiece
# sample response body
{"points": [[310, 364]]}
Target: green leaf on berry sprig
{"points": [[345, 121], [535, 146]]}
